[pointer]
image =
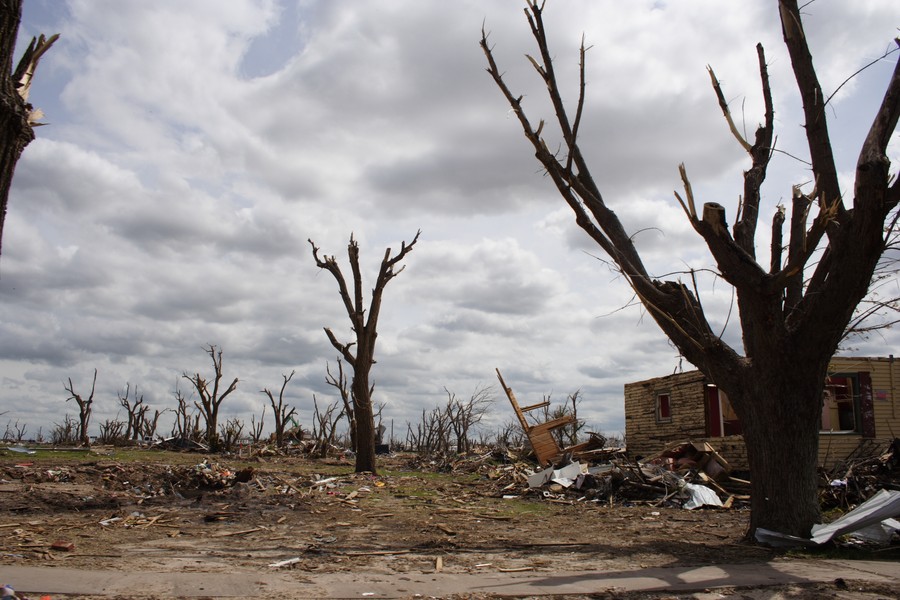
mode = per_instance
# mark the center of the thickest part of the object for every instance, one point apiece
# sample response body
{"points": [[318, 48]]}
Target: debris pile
{"points": [[208, 476], [870, 468], [688, 475]]}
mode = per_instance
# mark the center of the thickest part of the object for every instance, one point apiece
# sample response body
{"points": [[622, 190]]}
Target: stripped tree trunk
{"points": [[364, 327]]}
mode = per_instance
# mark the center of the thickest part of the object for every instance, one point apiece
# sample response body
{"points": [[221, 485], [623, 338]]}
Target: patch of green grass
{"points": [[521, 507], [75, 456], [412, 490]]}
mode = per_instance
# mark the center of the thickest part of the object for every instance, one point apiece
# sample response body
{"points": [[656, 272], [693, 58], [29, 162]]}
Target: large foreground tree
{"points": [[794, 310], [365, 330], [17, 117]]}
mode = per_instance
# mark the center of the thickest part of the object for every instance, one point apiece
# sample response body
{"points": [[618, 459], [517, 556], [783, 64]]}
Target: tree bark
{"points": [[365, 424]]}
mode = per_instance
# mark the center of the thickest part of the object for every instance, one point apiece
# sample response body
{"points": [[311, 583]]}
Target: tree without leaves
{"points": [[14, 433], [187, 422], [281, 412], [569, 434], [111, 432], [65, 434], [136, 412], [211, 400], [365, 330], [17, 117], [339, 382], [230, 434], [791, 324], [148, 426], [84, 409], [324, 427], [463, 415], [256, 429]]}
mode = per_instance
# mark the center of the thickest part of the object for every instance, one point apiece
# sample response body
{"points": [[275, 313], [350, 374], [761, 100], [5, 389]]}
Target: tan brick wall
{"points": [[644, 435]]}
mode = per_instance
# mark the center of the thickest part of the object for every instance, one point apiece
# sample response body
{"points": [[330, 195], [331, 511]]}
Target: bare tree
{"points": [[230, 434], [65, 434], [84, 409], [148, 426], [433, 433], [135, 412], [281, 412], [17, 117], [463, 415], [510, 435], [365, 330], [791, 323], [211, 399], [339, 382], [14, 433], [256, 429], [569, 434], [187, 421], [324, 427], [111, 432]]}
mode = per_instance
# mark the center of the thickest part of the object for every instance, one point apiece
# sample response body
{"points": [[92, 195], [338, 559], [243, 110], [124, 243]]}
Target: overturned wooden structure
{"points": [[540, 435]]}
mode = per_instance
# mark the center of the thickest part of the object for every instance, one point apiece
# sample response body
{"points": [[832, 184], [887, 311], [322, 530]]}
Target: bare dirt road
{"points": [[166, 512]]}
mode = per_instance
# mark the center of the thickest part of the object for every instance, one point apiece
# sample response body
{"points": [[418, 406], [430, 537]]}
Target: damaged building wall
{"points": [[876, 416], [859, 411], [649, 429]]}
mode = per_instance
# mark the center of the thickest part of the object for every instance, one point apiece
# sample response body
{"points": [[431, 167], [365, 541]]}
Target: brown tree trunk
{"points": [[781, 410], [365, 424]]}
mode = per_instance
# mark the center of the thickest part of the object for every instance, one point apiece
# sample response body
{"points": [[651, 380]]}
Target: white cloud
{"points": [[194, 147]]}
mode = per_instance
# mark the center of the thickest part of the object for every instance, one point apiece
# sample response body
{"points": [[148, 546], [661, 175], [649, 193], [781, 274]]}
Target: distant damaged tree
{"points": [[792, 321], [256, 428], [17, 117], [569, 434], [211, 399], [364, 328], [84, 409], [282, 412], [136, 412], [324, 427], [230, 434], [111, 433], [186, 426], [466, 414], [65, 433], [147, 425], [14, 433], [339, 382]]}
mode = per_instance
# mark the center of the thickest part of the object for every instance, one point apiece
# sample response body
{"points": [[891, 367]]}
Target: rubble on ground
{"points": [[870, 468], [688, 475]]}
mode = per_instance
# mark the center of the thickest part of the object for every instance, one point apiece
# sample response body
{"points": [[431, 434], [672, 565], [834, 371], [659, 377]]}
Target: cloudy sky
{"points": [[192, 148]]}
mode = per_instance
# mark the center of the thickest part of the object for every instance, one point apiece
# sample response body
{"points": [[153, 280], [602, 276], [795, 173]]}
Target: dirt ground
{"points": [[175, 512]]}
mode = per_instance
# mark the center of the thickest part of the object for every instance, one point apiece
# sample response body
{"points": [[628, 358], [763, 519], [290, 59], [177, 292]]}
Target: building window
{"points": [[663, 408], [840, 403], [721, 420]]}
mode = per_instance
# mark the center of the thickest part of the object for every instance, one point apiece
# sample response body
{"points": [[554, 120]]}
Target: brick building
{"points": [[860, 408]]}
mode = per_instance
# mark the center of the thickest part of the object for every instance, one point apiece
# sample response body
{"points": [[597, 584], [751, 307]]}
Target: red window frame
{"points": [[663, 408]]}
